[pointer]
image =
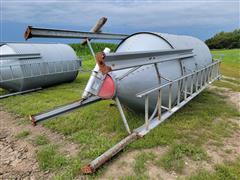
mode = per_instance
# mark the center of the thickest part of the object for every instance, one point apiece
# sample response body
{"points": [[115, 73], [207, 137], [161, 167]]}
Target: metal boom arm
{"points": [[59, 33]]}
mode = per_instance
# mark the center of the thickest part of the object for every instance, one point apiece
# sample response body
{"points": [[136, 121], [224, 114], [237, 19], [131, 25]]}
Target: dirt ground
{"points": [[123, 165], [18, 156]]}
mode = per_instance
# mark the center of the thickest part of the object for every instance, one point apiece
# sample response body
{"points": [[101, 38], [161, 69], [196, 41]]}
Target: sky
{"points": [[197, 18]]}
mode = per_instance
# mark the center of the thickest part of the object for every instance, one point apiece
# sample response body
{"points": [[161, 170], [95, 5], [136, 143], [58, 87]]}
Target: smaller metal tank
{"points": [[25, 66]]}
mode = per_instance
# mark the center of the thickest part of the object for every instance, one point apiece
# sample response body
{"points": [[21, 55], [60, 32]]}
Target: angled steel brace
{"points": [[63, 109], [122, 115]]}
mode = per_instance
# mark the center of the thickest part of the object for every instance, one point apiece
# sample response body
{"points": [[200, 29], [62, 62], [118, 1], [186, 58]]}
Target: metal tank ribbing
{"points": [[25, 66]]}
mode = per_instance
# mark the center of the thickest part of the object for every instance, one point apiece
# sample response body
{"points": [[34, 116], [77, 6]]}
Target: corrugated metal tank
{"points": [[57, 63], [146, 76]]}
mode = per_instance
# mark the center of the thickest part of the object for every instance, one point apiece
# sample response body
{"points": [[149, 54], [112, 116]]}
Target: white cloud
{"points": [[129, 14]]}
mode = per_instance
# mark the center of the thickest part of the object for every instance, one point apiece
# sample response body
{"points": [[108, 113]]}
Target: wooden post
{"points": [[96, 28]]}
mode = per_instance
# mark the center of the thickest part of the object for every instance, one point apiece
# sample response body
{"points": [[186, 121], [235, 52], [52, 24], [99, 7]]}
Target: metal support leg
{"points": [[196, 84], [179, 93], [170, 98], [146, 112], [91, 49], [205, 77], [159, 104], [185, 88], [201, 79], [191, 88], [122, 115]]}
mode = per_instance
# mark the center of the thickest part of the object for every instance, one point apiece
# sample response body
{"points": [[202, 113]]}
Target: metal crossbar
{"points": [[187, 89], [58, 67]]}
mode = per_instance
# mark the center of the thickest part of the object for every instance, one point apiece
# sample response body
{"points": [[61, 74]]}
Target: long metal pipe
{"points": [[92, 166]]}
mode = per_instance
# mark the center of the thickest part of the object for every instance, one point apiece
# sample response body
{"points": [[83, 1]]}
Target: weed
{"points": [[174, 159], [141, 160], [230, 171], [40, 140], [22, 134], [49, 159]]}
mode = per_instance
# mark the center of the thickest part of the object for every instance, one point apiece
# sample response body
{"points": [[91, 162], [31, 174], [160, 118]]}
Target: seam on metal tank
{"points": [[158, 35], [21, 81], [33, 46]]}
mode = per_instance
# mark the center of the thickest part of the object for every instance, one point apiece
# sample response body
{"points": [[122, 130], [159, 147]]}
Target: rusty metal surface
{"points": [[96, 28], [95, 164], [101, 63]]}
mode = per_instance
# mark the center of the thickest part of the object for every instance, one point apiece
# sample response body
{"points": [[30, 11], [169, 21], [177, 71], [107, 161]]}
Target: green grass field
{"points": [[230, 63], [230, 68], [98, 127]]}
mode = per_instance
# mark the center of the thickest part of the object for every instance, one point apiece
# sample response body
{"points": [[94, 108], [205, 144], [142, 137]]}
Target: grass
{"points": [[141, 160], [229, 171], [174, 158], [40, 140], [230, 67], [227, 84], [140, 166], [50, 159], [231, 62], [98, 127], [22, 134]]}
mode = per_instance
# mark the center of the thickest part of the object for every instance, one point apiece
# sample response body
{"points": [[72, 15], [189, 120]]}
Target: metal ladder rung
{"points": [[166, 108], [188, 93]]}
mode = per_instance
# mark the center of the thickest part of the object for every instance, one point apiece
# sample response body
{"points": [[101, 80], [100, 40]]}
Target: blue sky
{"points": [[198, 18]]}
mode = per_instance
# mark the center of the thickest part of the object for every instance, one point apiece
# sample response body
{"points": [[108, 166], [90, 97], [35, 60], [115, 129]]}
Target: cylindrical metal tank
{"points": [[32, 65], [146, 76]]}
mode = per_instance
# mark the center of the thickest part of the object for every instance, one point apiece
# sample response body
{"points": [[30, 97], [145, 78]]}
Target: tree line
{"points": [[225, 40]]}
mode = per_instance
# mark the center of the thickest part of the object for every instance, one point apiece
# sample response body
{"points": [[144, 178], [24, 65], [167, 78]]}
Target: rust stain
{"points": [[100, 61]]}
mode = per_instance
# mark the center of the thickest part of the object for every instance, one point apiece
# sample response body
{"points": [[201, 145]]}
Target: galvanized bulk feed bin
{"points": [[146, 76], [25, 66]]}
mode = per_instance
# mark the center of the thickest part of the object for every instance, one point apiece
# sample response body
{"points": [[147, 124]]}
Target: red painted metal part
{"points": [[107, 90]]}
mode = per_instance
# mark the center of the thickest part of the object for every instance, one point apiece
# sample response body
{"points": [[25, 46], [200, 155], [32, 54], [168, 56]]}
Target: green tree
{"points": [[225, 40]]}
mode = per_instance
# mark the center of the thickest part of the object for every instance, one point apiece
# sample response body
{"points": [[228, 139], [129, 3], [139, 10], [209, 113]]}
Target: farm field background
{"points": [[98, 127]]}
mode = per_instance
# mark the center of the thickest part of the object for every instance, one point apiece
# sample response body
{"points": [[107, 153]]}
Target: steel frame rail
{"points": [[125, 60], [207, 75]]}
